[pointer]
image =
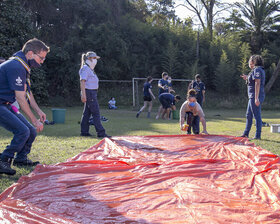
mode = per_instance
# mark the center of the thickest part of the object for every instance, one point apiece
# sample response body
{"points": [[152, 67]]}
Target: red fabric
{"points": [[152, 179]]}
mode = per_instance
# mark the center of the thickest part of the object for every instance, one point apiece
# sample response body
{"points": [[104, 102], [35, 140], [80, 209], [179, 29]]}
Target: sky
{"points": [[182, 12]]}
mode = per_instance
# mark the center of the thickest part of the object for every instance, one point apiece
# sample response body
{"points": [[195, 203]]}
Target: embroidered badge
{"points": [[19, 81]]}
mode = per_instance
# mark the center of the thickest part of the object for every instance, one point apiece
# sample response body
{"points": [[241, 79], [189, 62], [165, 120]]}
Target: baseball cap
{"points": [[92, 54]]}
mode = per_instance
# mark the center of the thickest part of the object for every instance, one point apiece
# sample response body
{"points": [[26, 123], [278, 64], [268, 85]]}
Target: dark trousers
{"points": [[193, 122], [253, 111], [24, 133], [91, 108]]}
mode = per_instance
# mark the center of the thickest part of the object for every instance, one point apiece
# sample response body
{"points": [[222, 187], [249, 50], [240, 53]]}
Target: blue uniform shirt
{"points": [[12, 78], [257, 73], [89, 75], [199, 87], [147, 86], [164, 83], [168, 98]]}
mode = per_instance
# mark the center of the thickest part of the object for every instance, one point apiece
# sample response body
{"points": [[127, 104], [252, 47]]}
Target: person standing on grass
{"points": [[255, 81], [192, 112], [168, 101], [162, 88], [89, 86], [199, 87], [15, 85], [148, 94]]}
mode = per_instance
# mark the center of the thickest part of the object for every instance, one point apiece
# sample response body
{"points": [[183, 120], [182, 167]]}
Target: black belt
{"points": [[92, 89]]}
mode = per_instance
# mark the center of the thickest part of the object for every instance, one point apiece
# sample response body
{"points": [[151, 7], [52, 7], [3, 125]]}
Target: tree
{"points": [[259, 17], [169, 60], [210, 8], [15, 27]]}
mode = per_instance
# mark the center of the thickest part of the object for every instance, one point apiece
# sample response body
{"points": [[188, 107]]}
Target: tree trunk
{"points": [[273, 78]]}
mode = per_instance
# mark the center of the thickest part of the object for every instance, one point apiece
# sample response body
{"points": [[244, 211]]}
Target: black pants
{"points": [[193, 122]]}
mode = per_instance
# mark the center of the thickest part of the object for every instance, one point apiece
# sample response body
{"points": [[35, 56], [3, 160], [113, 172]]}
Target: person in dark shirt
{"points": [[255, 81], [199, 87], [162, 88], [15, 86], [168, 101], [148, 94]]}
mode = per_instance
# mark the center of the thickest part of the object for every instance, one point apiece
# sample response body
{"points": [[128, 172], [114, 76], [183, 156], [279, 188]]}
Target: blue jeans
{"points": [[24, 133], [253, 111], [91, 107]]}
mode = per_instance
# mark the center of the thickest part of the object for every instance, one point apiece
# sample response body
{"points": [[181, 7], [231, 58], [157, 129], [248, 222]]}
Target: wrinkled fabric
{"points": [[152, 179]]}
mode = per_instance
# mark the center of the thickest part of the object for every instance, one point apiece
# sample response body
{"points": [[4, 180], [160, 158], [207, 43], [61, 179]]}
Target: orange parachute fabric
{"points": [[152, 179]]}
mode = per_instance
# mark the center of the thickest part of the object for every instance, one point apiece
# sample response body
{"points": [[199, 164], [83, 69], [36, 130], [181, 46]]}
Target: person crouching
{"points": [[192, 112]]}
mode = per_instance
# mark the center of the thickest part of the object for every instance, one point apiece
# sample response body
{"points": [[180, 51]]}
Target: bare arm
{"points": [[257, 91], [83, 90], [150, 91], [21, 99], [203, 93], [35, 107]]}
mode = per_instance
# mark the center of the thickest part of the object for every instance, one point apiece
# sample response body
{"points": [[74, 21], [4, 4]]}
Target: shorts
{"points": [[147, 98]]}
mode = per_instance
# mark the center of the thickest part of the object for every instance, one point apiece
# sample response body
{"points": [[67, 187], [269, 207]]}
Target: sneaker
{"points": [[104, 136], [137, 115], [26, 162], [244, 136], [104, 119], [86, 134], [5, 166]]}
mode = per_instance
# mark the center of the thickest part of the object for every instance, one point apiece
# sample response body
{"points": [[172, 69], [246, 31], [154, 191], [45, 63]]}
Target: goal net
{"points": [[180, 86]]}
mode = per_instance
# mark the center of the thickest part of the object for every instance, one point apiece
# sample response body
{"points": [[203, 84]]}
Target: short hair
{"points": [[197, 76], [35, 45], [191, 93], [149, 78], [177, 97], [257, 60], [164, 74]]}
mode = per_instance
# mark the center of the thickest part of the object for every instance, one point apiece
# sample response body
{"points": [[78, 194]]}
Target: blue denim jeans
{"points": [[193, 122], [24, 133], [253, 111], [91, 107]]}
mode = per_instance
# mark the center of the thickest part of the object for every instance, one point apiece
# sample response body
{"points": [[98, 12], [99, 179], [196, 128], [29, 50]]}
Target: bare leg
{"points": [[159, 112]]}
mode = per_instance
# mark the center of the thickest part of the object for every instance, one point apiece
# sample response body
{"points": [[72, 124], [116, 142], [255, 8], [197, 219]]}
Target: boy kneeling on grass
{"points": [[192, 112]]}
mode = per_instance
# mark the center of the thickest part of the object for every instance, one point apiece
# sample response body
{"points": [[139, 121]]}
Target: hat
{"points": [[197, 76], [92, 54]]}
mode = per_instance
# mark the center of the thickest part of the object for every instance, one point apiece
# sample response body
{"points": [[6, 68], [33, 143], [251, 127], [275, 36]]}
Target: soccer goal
{"points": [[180, 87]]}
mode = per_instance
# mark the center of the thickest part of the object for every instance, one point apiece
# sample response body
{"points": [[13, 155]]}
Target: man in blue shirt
{"points": [[15, 86], [167, 101], [199, 88]]}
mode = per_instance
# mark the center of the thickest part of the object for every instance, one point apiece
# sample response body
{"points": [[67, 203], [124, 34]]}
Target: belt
{"points": [[92, 89]]}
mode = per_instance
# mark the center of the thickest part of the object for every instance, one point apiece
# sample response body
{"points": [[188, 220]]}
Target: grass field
{"points": [[59, 142]]}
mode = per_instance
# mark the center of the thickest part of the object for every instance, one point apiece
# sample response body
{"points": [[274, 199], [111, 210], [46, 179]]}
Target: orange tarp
{"points": [[152, 179]]}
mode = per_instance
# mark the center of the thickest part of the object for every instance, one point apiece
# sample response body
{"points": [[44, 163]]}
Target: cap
{"points": [[92, 54]]}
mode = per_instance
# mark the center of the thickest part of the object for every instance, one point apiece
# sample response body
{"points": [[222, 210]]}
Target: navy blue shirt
{"points": [[168, 98], [146, 91], [12, 78], [199, 87], [256, 73], [163, 83]]}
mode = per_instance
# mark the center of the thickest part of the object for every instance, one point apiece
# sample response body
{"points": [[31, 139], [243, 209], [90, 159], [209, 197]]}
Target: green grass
{"points": [[59, 142]]}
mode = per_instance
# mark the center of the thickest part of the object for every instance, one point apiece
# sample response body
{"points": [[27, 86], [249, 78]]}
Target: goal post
{"points": [[179, 85]]}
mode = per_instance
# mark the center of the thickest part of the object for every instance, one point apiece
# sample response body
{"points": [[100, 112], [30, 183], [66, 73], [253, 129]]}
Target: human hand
{"points": [[257, 102], [42, 116], [38, 125], [83, 99], [243, 76], [205, 132]]}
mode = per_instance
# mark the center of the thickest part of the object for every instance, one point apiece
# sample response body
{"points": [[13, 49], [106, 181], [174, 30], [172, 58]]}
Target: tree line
{"points": [[137, 38]]}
